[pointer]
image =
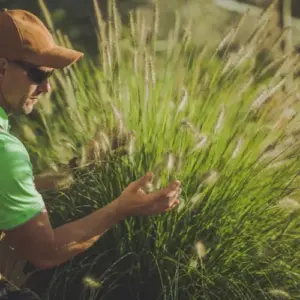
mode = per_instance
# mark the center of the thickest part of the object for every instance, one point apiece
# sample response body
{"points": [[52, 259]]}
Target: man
{"points": [[28, 56]]}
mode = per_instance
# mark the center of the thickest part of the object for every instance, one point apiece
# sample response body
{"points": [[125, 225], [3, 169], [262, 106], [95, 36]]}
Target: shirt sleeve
{"points": [[19, 199]]}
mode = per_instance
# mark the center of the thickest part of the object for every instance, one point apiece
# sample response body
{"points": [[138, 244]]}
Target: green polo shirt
{"points": [[19, 199]]}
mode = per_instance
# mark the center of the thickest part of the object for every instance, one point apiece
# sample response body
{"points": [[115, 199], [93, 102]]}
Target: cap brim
{"points": [[56, 57]]}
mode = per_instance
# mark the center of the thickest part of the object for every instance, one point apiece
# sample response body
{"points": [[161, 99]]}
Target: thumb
{"points": [[142, 181]]}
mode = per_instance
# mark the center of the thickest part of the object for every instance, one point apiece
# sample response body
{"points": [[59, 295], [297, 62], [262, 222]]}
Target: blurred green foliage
{"points": [[76, 18]]}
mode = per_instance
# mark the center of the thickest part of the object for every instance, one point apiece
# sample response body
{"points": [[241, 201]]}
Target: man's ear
{"points": [[3, 67]]}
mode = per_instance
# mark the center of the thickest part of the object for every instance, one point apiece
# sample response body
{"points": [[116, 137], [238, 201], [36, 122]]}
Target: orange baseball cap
{"points": [[24, 37]]}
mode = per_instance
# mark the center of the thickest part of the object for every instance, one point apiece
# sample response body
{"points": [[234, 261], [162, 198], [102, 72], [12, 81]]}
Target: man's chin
{"points": [[25, 106], [26, 109]]}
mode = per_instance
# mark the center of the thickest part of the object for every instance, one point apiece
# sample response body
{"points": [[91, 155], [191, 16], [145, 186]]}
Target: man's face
{"points": [[19, 88]]}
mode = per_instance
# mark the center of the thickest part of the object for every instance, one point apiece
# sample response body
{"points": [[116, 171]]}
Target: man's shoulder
{"points": [[11, 148]]}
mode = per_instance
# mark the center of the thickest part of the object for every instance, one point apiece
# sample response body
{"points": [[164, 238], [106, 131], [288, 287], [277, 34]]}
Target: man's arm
{"points": [[44, 247]]}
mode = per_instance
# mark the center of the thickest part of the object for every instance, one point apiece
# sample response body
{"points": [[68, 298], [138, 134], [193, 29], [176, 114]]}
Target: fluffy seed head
{"points": [[200, 249], [279, 294], [91, 282], [289, 203]]}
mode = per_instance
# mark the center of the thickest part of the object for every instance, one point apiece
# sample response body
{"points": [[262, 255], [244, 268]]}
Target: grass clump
{"points": [[220, 123]]}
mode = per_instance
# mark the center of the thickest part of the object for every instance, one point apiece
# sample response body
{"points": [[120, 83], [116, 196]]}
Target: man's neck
{"points": [[3, 104]]}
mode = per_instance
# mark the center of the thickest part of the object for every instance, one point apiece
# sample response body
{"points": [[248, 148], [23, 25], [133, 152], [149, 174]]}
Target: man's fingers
{"points": [[173, 205], [141, 182], [169, 192], [173, 193], [170, 189], [174, 185], [173, 188], [176, 202]]}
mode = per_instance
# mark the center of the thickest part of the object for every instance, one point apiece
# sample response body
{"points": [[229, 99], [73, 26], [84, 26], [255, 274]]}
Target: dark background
{"points": [[76, 17]]}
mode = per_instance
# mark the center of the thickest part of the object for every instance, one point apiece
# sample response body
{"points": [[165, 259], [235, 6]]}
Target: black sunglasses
{"points": [[33, 72]]}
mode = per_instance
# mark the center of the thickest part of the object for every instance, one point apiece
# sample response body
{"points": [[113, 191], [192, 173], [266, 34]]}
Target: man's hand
{"points": [[135, 202]]}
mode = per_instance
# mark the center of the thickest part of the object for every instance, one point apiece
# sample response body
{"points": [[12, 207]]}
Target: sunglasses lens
{"points": [[38, 76], [35, 75]]}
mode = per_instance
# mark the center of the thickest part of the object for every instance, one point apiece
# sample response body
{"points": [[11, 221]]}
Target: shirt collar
{"points": [[4, 123]]}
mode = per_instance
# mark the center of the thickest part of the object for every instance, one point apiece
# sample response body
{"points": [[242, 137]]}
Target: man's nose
{"points": [[44, 87]]}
